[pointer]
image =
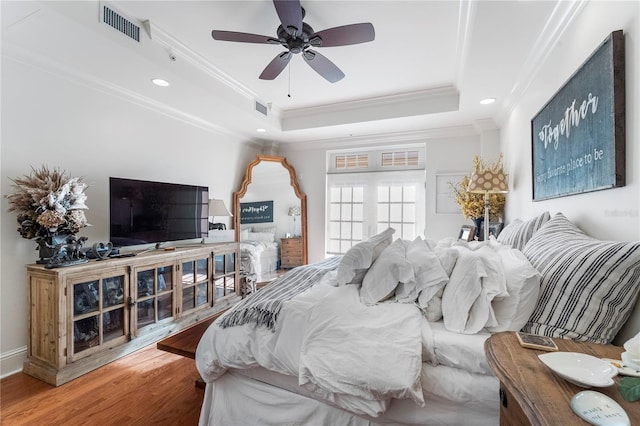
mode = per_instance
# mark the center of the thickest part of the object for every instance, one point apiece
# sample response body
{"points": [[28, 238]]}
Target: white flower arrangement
{"points": [[48, 202]]}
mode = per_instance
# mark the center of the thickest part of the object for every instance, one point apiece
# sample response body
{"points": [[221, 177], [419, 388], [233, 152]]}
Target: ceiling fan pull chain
{"points": [[289, 91]]}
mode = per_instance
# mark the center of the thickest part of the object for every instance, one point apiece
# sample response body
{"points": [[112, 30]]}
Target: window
{"points": [[361, 204]]}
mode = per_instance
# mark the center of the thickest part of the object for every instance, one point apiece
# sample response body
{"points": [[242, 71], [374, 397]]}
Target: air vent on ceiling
{"points": [[120, 23], [261, 108]]}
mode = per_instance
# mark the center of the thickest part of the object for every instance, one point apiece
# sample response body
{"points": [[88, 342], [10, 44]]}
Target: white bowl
{"points": [[580, 369], [630, 360]]}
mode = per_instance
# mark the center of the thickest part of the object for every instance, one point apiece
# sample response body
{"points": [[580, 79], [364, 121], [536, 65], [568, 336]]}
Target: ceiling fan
{"points": [[298, 37]]}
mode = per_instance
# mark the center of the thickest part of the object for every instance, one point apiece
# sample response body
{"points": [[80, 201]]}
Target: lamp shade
{"points": [[488, 181], [217, 208], [294, 211]]}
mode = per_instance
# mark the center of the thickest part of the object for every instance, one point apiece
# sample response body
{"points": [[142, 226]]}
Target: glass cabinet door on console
{"points": [[98, 311], [196, 288], [224, 275], [153, 298]]}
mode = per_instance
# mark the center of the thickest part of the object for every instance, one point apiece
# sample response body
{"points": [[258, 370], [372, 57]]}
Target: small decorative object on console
{"points": [[68, 253]]}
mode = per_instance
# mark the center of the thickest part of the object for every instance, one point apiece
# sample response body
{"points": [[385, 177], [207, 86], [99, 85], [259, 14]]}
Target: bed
{"points": [[393, 331], [259, 251]]}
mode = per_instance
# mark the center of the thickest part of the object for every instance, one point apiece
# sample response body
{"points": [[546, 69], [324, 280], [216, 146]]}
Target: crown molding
{"points": [[163, 38], [564, 13], [417, 136], [420, 102], [13, 52]]}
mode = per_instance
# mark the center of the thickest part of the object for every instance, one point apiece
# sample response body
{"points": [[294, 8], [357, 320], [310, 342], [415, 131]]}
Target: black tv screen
{"points": [[144, 212]]}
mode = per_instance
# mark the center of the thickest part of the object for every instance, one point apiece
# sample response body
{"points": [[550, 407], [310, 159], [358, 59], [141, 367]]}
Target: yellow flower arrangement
{"points": [[472, 204]]}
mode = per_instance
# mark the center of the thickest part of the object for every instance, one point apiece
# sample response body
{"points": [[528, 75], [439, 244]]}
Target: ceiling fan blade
{"points": [[290, 14], [344, 35], [243, 37], [276, 66], [322, 66]]}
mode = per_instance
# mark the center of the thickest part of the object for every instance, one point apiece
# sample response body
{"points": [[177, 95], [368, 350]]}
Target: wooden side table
{"points": [[290, 252], [532, 394]]}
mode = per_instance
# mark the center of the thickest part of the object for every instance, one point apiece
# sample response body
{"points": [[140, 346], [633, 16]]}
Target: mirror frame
{"points": [[296, 188]]}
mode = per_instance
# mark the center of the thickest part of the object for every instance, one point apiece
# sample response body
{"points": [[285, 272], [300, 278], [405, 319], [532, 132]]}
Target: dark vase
{"points": [[477, 221], [47, 247]]}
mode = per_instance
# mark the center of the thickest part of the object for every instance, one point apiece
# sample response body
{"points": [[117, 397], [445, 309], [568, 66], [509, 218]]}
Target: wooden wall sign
{"points": [[578, 137], [258, 212]]}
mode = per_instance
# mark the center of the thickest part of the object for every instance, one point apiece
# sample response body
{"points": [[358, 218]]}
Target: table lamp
{"points": [[294, 211], [217, 208], [487, 181]]}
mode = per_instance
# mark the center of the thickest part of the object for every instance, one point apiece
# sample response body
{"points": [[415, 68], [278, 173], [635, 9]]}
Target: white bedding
{"points": [[258, 257], [371, 359], [311, 321]]}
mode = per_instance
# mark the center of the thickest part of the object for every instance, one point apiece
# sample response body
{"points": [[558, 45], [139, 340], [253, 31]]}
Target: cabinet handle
{"points": [[503, 398], [130, 301]]}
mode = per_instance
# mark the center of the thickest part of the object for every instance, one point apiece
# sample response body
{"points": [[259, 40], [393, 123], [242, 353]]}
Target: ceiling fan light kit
{"points": [[298, 37]]}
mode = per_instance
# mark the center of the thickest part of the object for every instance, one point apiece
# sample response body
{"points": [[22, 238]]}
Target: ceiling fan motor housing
{"points": [[296, 44]]}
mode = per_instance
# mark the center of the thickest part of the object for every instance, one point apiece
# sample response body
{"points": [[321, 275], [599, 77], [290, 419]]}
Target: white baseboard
{"points": [[11, 362]]}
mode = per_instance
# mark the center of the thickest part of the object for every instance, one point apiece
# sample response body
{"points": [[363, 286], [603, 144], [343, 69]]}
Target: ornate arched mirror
{"points": [[270, 201]]}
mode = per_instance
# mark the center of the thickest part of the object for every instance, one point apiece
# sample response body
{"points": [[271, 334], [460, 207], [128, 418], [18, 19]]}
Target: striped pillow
{"points": [[518, 233], [588, 286]]}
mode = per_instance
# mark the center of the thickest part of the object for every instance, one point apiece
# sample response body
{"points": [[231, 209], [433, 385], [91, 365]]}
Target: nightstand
{"points": [[531, 394], [290, 252]]}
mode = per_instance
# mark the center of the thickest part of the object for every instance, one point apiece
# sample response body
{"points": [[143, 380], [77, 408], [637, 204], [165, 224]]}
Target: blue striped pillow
{"points": [[588, 286], [518, 233]]}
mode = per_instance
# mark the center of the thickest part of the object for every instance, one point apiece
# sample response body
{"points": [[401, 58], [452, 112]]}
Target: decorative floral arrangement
{"points": [[48, 202], [472, 204]]}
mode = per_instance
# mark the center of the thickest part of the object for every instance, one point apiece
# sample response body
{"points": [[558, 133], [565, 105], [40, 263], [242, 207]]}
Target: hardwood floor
{"points": [[148, 387]]}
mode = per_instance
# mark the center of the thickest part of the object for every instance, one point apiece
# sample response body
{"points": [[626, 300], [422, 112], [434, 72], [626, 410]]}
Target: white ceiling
{"points": [[428, 68]]}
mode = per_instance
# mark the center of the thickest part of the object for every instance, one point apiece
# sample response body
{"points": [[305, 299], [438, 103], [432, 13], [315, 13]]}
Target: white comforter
{"points": [[360, 357], [331, 342]]}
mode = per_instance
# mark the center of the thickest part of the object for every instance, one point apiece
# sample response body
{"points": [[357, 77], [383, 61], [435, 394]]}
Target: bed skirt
{"points": [[268, 398]]}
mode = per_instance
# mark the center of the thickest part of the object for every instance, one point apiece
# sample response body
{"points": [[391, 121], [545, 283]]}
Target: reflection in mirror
{"points": [[270, 218]]}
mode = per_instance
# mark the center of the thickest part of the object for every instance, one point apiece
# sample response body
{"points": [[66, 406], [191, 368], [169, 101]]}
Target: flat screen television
{"points": [[142, 212]]}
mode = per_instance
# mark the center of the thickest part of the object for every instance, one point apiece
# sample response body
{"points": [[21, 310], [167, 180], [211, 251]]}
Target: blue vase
{"points": [[477, 221]]}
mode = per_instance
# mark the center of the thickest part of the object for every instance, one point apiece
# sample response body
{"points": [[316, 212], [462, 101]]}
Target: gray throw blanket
{"points": [[262, 307]]}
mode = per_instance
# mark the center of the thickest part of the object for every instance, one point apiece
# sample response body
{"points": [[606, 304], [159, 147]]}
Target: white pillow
{"points": [[523, 286], [429, 274], [433, 311], [357, 260], [271, 229], [389, 269], [265, 237], [244, 234], [476, 280]]}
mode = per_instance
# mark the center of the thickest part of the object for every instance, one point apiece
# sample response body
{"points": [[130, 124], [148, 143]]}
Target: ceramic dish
{"points": [[599, 409], [580, 369]]}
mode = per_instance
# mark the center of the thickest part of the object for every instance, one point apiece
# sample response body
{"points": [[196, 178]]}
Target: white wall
{"points": [[48, 119], [610, 214]]}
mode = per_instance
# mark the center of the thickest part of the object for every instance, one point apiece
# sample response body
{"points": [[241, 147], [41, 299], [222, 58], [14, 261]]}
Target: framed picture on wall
{"points": [[578, 137], [445, 197]]}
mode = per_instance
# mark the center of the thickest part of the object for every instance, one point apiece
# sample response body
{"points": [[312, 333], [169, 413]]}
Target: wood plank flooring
{"points": [[147, 387]]}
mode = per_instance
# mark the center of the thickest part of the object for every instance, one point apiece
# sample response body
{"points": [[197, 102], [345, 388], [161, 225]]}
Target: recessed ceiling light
{"points": [[160, 82], [260, 130], [488, 101]]}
